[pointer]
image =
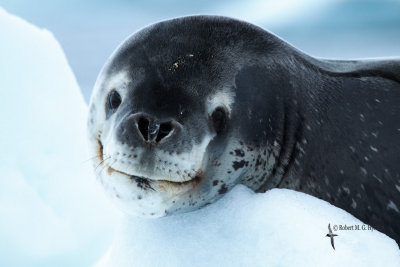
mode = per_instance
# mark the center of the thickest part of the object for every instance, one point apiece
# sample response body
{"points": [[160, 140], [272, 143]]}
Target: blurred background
{"points": [[90, 30]]}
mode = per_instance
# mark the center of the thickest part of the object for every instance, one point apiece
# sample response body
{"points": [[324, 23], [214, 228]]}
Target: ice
{"points": [[50, 208]]}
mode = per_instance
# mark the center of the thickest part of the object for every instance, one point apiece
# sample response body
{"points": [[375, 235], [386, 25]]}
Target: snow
{"points": [[52, 213], [50, 209], [277, 228]]}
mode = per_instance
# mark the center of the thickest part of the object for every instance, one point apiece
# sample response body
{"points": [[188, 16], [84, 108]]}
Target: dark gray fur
{"points": [[337, 123]]}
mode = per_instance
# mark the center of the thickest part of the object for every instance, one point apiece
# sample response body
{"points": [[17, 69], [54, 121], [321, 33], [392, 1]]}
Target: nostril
{"points": [[143, 125], [165, 129]]}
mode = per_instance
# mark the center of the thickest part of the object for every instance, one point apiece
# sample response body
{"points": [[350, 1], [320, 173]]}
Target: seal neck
{"points": [[292, 132]]}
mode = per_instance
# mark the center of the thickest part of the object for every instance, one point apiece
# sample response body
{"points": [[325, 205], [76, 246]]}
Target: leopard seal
{"points": [[187, 108]]}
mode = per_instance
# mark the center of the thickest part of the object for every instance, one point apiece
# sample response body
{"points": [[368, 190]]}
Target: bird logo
{"points": [[331, 235]]}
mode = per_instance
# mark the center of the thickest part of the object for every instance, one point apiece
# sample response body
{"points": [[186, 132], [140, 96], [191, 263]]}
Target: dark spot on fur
{"points": [[215, 182], [197, 179], [216, 163], [223, 189], [258, 162], [239, 152], [142, 183], [239, 164]]}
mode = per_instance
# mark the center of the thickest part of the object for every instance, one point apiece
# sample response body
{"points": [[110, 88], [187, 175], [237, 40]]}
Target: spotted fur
{"points": [[327, 128]]}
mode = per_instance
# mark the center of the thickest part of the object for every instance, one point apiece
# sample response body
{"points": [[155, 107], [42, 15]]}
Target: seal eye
{"points": [[218, 118], [114, 100]]}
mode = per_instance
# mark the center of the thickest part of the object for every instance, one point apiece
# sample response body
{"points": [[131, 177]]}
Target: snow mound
{"points": [[49, 209], [278, 228]]}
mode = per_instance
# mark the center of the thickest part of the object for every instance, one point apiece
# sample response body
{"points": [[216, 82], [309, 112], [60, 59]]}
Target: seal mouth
{"points": [[144, 182], [147, 181]]}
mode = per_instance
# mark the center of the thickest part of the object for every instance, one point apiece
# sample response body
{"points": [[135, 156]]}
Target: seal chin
{"points": [[141, 196]]}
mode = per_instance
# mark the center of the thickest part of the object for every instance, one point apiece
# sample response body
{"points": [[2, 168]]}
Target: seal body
{"points": [[187, 108]]}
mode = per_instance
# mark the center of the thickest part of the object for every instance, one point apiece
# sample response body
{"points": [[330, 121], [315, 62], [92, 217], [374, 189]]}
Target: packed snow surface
{"points": [[277, 228], [53, 214]]}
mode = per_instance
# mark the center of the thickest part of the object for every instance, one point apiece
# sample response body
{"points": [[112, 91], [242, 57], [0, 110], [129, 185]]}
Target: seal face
{"points": [[187, 108]]}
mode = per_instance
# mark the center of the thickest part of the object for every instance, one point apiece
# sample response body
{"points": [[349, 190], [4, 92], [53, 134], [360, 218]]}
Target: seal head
{"points": [[164, 125]]}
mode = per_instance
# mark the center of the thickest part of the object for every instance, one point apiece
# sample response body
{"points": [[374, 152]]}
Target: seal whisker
{"points": [[101, 162], [91, 158]]}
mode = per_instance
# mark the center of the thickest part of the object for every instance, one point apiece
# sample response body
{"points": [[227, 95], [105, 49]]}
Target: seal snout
{"points": [[152, 131], [148, 129]]}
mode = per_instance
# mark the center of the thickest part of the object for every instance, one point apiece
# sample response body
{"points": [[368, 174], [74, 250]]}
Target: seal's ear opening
{"points": [[218, 118]]}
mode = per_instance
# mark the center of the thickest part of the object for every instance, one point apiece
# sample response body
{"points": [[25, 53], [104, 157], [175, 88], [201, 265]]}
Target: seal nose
{"points": [[152, 131]]}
